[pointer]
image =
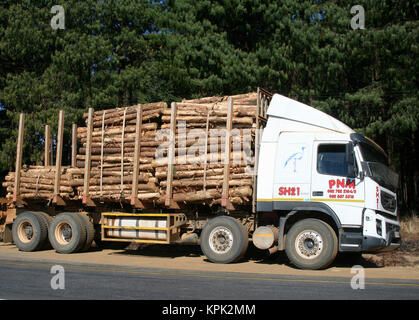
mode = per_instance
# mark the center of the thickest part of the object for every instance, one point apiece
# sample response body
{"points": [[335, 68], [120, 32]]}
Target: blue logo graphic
{"points": [[294, 157]]}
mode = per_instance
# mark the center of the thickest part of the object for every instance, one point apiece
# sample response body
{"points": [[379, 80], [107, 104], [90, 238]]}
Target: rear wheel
{"points": [[67, 233], [311, 244], [29, 231], [224, 240], [47, 220], [90, 231]]}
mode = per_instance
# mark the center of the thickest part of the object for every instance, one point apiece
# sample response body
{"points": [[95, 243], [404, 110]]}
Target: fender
{"points": [[297, 206]]}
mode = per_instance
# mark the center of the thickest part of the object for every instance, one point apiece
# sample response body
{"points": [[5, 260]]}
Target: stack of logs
{"points": [[199, 156], [187, 164], [112, 153], [38, 182]]}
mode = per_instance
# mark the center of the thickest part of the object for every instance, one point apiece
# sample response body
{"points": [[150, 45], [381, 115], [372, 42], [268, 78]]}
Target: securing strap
{"points": [[37, 185], [101, 154]]}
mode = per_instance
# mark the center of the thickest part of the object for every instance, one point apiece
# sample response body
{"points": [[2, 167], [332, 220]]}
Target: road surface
{"points": [[122, 274]]}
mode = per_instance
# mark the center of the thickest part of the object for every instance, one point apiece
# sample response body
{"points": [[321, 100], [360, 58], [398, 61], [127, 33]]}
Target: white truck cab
{"points": [[329, 187]]}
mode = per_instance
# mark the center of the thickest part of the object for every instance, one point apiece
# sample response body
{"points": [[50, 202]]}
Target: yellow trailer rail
{"points": [[142, 227]]}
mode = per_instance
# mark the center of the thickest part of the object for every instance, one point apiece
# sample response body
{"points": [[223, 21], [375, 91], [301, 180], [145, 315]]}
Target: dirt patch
{"points": [[408, 253], [406, 256]]}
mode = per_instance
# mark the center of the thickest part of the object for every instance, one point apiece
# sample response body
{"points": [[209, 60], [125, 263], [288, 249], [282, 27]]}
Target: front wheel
{"points": [[224, 240], [311, 244]]}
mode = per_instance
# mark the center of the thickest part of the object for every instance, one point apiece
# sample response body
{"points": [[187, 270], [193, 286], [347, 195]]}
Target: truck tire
{"points": [[88, 226], [29, 231], [90, 232], [47, 219], [311, 244], [224, 240], [67, 234]]}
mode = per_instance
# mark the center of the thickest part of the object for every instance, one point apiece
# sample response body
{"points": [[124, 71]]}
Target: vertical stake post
{"points": [[74, 145], [171, 155], [47, 157], [87, 163], [19, 150], [227, 153], [138, 126], [58, 159]]}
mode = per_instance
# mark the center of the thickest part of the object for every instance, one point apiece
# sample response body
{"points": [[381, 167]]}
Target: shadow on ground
{"points": [[252, 254]]}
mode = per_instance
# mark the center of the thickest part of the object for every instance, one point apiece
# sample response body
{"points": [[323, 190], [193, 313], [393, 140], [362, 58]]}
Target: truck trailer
{"points": [[313, 187]]}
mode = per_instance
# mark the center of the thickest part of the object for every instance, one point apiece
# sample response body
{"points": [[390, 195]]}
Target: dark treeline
{"points": [[121, 52]]}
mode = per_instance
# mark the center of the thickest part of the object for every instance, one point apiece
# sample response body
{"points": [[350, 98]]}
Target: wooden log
{"points": [[209, 183], [201, 119], [82, 131], [202, 110], [209, 194], [198, 125], [216, 157], [198, 173], [116, 188], [143, 167], [130, 118], [42, 195], [126, 195], [30, 187], [118, 112], [199, 166]]}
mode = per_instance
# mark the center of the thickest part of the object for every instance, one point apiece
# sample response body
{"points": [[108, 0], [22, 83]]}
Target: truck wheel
{"points": [[67, 233], [224, 240], [88, 226], [311, 244], [47, 220], [29, 231], [90, 232]]}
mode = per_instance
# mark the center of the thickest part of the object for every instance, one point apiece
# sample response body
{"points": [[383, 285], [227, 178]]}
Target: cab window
{"points": [[331, 159]]}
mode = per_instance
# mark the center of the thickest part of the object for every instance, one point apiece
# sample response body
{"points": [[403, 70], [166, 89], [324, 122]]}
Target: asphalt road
{"points": [[24, 279]]}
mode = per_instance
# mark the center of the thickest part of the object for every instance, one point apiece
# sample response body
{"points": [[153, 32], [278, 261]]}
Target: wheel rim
{"points": [[63, 233], [25, 232], [309, 244], [221, 240]]}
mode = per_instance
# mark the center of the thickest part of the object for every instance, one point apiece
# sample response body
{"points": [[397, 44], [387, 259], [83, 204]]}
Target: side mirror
{"points": [[349, 153], [361, 175], [349, 159]]}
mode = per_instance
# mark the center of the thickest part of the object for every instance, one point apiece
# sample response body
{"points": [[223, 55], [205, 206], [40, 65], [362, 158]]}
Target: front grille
{"points": [[392, 227], [388, 201]]}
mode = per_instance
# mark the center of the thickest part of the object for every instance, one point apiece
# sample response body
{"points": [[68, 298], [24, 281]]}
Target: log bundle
{"points": [[37, 182], [196, 151], [200, 156], [112, 151]]}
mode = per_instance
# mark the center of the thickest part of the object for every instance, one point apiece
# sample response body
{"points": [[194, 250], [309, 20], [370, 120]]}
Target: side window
{"points": [[331, 159]]}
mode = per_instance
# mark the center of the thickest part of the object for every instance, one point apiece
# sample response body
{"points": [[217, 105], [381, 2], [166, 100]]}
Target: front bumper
{"points": [[379, 233], [374, 244], [388, 240]]}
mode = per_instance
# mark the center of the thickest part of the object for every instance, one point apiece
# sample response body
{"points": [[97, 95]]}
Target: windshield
{"points": [[371, 154], [375, 163], [382, 175]]}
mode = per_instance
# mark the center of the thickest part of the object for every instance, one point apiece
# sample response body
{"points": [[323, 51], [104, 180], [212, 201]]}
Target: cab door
{"points": [[335, 181], [292, 169]]}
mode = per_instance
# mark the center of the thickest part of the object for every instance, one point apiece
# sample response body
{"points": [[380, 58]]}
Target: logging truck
{"points": [[313, 188]]}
